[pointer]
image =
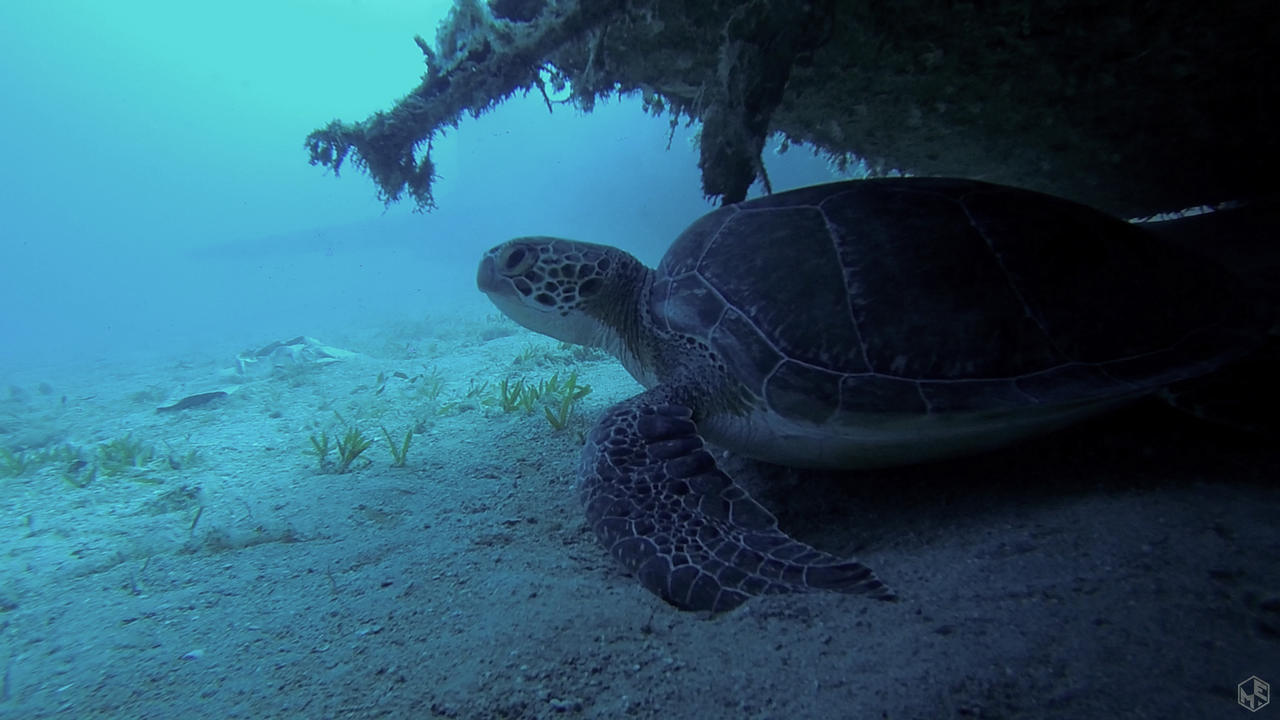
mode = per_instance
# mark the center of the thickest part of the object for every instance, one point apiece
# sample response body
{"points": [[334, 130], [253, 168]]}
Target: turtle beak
{"points": [[487, 276]]}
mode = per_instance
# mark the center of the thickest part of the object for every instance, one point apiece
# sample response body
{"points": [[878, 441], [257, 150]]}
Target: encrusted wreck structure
{"points": [[1128, 105]]}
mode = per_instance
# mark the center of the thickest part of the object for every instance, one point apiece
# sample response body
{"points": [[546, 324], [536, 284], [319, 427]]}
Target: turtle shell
{"points": [[928, 295]]}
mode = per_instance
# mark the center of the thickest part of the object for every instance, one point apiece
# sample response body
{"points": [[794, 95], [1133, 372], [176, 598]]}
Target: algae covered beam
{"points": [[1059, 97], [723, 63], [479, 61]]}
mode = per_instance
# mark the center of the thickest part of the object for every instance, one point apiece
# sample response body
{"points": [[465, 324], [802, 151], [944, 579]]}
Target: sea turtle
{"points": [[853, 324]]}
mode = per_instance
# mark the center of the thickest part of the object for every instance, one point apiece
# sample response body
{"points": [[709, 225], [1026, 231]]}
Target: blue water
{"points": [[156, 190]]}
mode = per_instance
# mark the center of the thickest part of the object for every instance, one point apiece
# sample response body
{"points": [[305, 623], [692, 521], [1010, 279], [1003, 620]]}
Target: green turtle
{"points": [[854, 324]]}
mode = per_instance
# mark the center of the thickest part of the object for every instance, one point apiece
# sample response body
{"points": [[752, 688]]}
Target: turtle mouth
{"points": [[487, 277]]}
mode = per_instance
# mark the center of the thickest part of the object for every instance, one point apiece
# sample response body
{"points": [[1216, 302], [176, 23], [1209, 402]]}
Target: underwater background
{"points": [[264, 452], [157, 193]]}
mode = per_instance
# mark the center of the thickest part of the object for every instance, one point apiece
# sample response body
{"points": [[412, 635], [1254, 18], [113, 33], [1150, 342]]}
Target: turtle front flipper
{"points": [[657, 501]]}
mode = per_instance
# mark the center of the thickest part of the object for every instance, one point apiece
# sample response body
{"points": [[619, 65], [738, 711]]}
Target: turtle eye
{"points": [[515, 260]]}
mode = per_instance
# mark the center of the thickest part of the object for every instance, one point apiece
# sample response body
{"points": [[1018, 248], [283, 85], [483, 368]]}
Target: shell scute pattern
{"points": [[801, 309], [958, 396], [749, 357], [699, 308], [887, 248], [804, 392], [1063, 383], [846, 285], [870, 390]]}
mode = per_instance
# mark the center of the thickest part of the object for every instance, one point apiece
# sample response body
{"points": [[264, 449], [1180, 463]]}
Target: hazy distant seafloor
{"points": [[1124, 569]]}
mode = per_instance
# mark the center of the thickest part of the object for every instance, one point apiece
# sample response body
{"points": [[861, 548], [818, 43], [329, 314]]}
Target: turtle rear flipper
{"points": [[659, 504]]}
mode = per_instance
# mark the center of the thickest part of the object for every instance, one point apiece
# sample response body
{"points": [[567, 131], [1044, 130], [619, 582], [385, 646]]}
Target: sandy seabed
{"points": [[1126, 568]]}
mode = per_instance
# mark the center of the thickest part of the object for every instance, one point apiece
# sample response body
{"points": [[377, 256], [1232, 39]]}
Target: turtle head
{"points": [[573, 291]]}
